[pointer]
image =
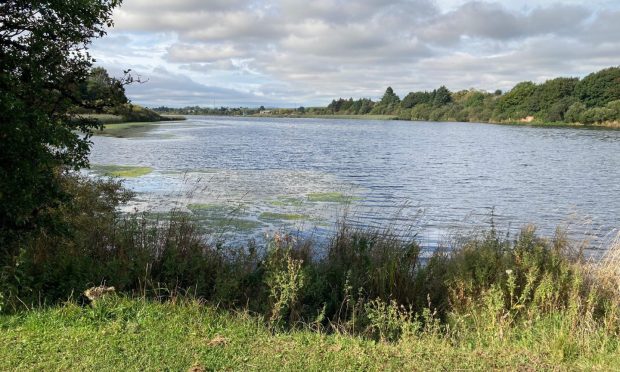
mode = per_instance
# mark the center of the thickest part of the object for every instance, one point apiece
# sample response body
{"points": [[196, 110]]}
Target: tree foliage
{"points": [[389, 103], [593, 99], [599, 88], [44, 69]]}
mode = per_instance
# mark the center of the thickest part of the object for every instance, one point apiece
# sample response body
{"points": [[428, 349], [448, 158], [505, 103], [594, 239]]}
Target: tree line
{"points": [[593, 99]]}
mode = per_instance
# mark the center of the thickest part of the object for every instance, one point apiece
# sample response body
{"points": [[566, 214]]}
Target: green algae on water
{"points": [[329, 197], [272, 216], [124, 171], [287, 201]]}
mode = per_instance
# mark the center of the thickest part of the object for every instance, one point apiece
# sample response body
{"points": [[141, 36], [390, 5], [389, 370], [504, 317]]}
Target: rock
{"points": [[95, 293]]}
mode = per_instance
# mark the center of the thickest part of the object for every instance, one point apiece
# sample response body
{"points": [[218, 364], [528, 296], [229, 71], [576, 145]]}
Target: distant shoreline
{"points": [[606, 125]]}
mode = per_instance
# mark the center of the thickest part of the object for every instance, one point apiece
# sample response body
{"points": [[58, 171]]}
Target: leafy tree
{"points": [[43, 64], [389, 103], [574, 112], [365, 106], [614, 107], [557, 111], [517, 103], [553, 97], [599, 88], [421, 112], [99, 88], [416, 98], [474, 98], [596, 115], [389, 96], [442, 96]]}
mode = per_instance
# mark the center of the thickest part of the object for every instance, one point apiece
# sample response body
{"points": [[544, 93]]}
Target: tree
{"points": [[442, 96], [389, 103], [43, 64], [415, 98], [99, 88], [553, 97], [389, 96], [599, 88], [574, 112], [517, 103]]}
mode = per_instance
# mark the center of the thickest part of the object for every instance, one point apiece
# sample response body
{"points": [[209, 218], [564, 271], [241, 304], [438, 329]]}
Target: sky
{"points": [[290, 53]]}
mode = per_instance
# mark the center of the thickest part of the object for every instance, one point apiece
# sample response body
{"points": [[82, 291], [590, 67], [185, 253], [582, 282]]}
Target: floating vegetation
{"points": [[272, 216], [330, 197], [238, 224], [204, 207], [123, 171], [215, 209], [287, 201]]}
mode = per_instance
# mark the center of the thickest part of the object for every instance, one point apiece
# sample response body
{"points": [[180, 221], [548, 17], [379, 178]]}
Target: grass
{"points": [[132, 335], [123, 171]]}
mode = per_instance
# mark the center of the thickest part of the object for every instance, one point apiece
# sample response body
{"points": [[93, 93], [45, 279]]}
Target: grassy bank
{"points": [[601, 125], [129, 121], [120, 334], [126, 130], [366, 299], [131, 113]]}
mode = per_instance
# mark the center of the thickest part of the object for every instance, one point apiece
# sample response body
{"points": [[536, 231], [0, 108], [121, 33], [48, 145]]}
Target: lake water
{"points": [[245, 176]]}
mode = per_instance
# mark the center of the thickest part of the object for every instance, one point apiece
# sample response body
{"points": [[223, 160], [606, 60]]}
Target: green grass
{"points": [[123, 171], [131, 335], [275, 216], [329, 197]]}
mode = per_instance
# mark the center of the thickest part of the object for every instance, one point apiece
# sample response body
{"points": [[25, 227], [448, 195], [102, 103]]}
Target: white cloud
{"points": [[288, 52]]}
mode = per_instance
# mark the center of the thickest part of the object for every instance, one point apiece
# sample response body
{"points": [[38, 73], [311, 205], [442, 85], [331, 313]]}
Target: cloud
{"points": [[288, 52], [202, 52], [167, 88], [495, 22]]}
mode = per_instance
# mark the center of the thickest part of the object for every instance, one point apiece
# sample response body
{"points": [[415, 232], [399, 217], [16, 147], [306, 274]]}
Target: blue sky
{"points": [[289, 53]]}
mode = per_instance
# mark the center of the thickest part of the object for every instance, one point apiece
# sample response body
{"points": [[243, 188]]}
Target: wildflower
{"points": [[509, 272]]}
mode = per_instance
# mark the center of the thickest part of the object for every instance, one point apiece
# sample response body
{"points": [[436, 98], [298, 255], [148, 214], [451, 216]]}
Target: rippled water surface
{"points": [[248, 175]]}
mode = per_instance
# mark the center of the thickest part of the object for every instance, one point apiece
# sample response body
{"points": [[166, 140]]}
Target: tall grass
{"points": [[366, 282]]}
